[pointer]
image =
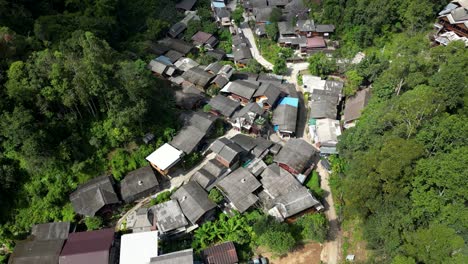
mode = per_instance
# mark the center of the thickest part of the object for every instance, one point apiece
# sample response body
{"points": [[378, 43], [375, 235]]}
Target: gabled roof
{"points": [[178, 257], [224, 105], [270, 91], [208, 174], [355, 105], [249, 108], [37, 251], [292, 203], [184, 64], [157, 66], [169, 216], [177, 45], [176, 29], [242, 54], [138, 248], [203, 178], [226, 149], [214, 67], [198, 76], [306, 25], [138, 181], [214, 167], [156, 48], [186, 4], [243, 88], [285, 117], [202, 121], [93, 195], [220, 81], [88, 247], [296, 154], [173, 55], [165, 157], [188, 139], [193, 200], [322, 109], [277, 181], [217, 54], [261, 146], [224, 253], [239, 187], [325, 28], [50, 231], [262, 14], [246, 142], [201, 38], [285, 28]]}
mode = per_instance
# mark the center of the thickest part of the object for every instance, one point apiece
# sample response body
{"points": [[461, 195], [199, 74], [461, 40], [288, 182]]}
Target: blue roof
{"points": [[164, 60], [290, 101], [218, 4]]}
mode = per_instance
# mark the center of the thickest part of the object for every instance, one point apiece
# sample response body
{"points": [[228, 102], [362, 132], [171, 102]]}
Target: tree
{"points": [[215, 196], [436, 244], [238, 15], [353, 81], [320, 65], [280, 66], [93, 223], [275, 15], [271, 30], [314, 227]]}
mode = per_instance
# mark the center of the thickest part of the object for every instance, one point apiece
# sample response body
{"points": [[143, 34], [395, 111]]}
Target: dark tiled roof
{"points": [[239, 187], [88, 247], [220, 81], [203, 178], [242, 54], [246, 142], [285, 117], [292, 203], [270, 91], [249, 108], [217, 54], [187, 139], [49, 231], [286, 28], [193, 200], [169, 216], [226, 149], [178, 257], [355, 104], [136, 182], [214, 167], [176, 29], [297, 154], [224, 105], [174, 55], [224, 253], [198, 76], [261, 146], [322, 109], [277, 181], [186, 4], [177, 45], [37, 251], [214, 67], [306, 25], [243, 88], [90, 197], [202, 121]]}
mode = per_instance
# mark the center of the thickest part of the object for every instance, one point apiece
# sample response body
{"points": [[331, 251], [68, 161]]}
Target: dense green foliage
{"points": [[313, 183], [215, 196], [93, 223], [313, 227], [162, 197], [321, 65], [76, 99]]}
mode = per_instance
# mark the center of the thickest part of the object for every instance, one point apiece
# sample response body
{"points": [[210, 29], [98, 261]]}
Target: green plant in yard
{"points": [[192, 159], [237, 15], [215, 196], [299, 79], [313, 183], [161, 198], [269, 159], [280, 67], [93, 223], [313, 227], [206, 108]]}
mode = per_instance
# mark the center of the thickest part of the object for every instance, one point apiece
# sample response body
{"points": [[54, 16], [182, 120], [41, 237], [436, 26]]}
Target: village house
{"points": [[354, 106], [217, 54], [255, 148], [324, 98], [90, 247], [297, 157], [161, 68], [176, 30], [196, 128], [238, 188], [285, 117], [169, 218], [325, 134], [138, 184], [283, 196], [267, 95], [177, 257], [173, 56], [241, 91], [224, 253], [221, 13], [194, 202], [198, 76], [241, 50], [209, 173], [223, 105], [141, 220], [164, 158], [452, 24], [138, 248], [184, 64], [177, 45], [249, 119], [227, 152], [203, 39], [94, 197], [43, 246], [189, 97]]}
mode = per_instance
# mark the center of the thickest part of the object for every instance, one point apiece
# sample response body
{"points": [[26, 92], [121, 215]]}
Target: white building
{"points": [[139, 248]]}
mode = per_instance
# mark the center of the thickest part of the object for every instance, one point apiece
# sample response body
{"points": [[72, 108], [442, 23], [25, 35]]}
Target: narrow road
{"points": [[253, 46], [331, 252], [178, 179]]}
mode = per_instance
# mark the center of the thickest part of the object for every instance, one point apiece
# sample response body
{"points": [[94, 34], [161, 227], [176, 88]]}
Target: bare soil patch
{"points": [[303, 254]]}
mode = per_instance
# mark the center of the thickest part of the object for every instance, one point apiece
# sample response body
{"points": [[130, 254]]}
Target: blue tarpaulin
{"points": [[290, 101]]}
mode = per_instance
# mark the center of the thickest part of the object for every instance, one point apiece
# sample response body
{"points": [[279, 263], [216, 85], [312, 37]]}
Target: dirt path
{"points": [[331, 252], [304, 254]]}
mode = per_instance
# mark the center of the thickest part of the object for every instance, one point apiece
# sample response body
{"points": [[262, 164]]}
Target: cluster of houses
{"points": [[296, 29], [325, 101], [452, 23], [59, 243]]}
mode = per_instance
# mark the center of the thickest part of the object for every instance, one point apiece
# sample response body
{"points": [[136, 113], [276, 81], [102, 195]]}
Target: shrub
{"points": [[278, 242], [313, 226], [269, 159], [207, 108], [93, 223], [313, 183], [215, 196]]}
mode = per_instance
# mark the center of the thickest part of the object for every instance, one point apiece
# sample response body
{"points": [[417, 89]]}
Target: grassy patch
{"points": [[313, 183]]}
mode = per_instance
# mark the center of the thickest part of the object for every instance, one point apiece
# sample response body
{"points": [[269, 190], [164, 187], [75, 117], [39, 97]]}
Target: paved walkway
{"points": [[331, 250], [253, 46]]}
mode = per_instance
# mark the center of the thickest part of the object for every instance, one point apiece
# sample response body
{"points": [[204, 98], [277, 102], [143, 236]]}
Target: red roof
{"points": [[90, 247], [316, 42], [224, 253], [201, 37]]}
